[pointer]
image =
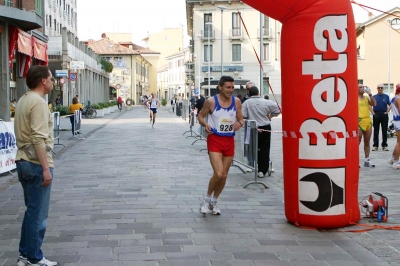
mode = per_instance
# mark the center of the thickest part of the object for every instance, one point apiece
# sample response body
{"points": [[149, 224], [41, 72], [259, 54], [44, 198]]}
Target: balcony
{"points": [[236, 34], [267, 34], [205, 35]]}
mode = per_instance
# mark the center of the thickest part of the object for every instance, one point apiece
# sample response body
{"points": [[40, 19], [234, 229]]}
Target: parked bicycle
{"points": [[89, 112]]}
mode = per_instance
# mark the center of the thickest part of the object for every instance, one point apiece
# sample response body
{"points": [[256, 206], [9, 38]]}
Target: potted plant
{"points": [[99, 109], [106, 108], [111, 105], [164, 102]]}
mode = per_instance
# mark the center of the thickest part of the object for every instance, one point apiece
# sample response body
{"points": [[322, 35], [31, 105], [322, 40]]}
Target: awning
{"points": [[24, 43], [214, 83], [40, 50]]}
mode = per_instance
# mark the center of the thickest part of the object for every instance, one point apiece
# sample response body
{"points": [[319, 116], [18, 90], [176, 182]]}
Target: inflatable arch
{"points": [[319, 99]]}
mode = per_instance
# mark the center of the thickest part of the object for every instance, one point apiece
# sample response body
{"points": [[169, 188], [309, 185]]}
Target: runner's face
{"points": [[227, 89]]}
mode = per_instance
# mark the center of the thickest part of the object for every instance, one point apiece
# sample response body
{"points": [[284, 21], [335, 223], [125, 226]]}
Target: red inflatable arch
{"points": [[319, 99]]}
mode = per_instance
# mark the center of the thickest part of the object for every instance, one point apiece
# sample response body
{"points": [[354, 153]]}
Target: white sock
{"points": [[207, 198], [214, 199], [366, 159], [395, 162]]}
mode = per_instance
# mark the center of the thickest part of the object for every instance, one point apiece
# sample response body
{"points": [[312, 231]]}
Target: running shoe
{"points": [[368, 163], [215, 210], [391, 160], [43, 262], [205, 207], [396, 166]]}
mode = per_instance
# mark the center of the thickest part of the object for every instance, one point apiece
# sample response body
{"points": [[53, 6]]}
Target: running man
{"points": [[224, 117], [365, 121], [153, 104]]}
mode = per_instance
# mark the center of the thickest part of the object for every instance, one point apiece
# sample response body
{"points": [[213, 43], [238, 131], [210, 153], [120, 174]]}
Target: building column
{"points": [[5, 73]]}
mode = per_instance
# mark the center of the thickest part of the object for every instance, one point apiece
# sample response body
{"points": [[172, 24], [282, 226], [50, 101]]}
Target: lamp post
{"points": [[198, 63], [222, 39], [209, 24], [389, 56]]}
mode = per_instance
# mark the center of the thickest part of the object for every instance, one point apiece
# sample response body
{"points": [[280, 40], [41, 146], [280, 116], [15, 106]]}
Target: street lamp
{"points": [[209, 24], [198, 63], [222, 43]]}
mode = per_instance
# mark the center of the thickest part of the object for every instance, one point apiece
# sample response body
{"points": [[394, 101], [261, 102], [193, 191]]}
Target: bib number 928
{"points": [[226, 128]]}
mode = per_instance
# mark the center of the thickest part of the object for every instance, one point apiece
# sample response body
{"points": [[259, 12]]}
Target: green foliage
{"points": [[64, 110], [106, 65], [97, 106], [114, 103], [164, 102]]}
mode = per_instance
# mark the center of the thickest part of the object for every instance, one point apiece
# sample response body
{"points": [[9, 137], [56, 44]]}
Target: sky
{"points": [[149, 16]]}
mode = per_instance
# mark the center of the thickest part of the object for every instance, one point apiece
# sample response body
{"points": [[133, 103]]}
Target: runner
{"points": [[153, 104], [224, 117]]}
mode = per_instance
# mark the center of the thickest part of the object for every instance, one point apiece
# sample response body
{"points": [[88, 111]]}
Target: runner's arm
{"points": [[239, 116]]}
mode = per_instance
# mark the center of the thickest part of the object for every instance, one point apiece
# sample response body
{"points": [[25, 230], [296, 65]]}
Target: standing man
{"points": [[248, 86], [153, 103], [33, 127], [364, 120], [199, 104], [173, 102], [381, 118], [258, 109], [58, 100], [224, 117]]}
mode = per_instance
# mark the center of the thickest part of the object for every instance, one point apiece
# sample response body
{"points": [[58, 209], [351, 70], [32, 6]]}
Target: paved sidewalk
{"points": [[129, 195]]}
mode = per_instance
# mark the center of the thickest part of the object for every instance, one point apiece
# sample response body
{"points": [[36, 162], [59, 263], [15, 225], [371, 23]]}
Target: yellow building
{"points": [[378, 45]]}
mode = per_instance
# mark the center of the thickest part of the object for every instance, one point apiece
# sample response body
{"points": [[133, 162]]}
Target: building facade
{"points": [[23, 43], [178, 78], [378, 51], [60, 14], [220, 42], [162, 82]]}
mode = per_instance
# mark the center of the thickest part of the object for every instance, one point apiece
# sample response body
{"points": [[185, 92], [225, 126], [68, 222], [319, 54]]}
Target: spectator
{"points": [[75, 106], [58, 100], [381, 118]]}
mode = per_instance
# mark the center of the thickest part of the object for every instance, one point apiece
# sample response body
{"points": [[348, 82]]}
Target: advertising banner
{"points": [[8, 147]]}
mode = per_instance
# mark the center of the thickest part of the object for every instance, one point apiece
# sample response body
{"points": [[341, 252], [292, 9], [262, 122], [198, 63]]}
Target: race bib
{"points": [[225, 124]]}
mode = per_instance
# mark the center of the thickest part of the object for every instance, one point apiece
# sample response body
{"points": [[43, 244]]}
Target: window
{"points": [[39, 7], [236, 52], [266, 26], [50, 21], [206, 50], [8, 3], [266, 52], [207, 29], [236, 30]]}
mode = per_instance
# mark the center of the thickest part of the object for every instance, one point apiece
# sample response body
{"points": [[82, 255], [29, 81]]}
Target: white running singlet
{"points": [[221, 120]]}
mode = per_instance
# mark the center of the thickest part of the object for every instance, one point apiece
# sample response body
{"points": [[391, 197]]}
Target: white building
{"points": [[178, 81], [207, 24], [60, 14]]}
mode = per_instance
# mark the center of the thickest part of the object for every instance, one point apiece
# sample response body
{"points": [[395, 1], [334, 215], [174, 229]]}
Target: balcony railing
{"points": [[267, 33], [236, 34], [208, 34]]}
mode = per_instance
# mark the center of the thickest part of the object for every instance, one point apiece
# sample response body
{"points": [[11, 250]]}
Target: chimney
{"points": [[369, 15]]}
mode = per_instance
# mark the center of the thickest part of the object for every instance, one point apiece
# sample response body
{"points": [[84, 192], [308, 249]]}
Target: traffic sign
{"points": [[72, 76], [118, 86], [62, 73], [77, 65], [62, 80]]}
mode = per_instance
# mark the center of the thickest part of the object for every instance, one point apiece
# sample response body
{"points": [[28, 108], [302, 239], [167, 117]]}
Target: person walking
{"points": [[380, 118], [224, 117], [153, 103], [173, 102], [75, 106], [364, 121], [33, 127], [395, 106], [260, 110], [119, 100]]}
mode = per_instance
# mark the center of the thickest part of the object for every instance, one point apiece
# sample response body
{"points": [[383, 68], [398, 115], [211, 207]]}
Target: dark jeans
{"points": [[71, 118], [380, 119], [264, 143], [37, 201]]}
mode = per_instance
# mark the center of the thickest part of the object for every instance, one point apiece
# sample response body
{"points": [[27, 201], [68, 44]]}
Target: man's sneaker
{"points": [[205, 207], [43, 262], [215, 210], [385, 149], [374, 148], [368, 163], [22, 261], [260, 175], [396, 166], [391, 160]]}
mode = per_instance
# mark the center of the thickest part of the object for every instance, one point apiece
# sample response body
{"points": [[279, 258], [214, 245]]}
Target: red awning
{"points": [[24, 43], [40, 50]]}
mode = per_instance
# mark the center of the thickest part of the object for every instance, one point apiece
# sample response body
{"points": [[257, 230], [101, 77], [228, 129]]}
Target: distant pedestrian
{"points": [[380, 119], [33, 127], [153, 103], [75, 106], [58, 100], [364, 121], [173, 102], [395, 106], [199, 104], [119, 103]]}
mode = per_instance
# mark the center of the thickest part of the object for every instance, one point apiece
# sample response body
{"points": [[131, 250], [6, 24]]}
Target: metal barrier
{"points": [[191, 124], [77, 124], [56, 128], [246, 151]]}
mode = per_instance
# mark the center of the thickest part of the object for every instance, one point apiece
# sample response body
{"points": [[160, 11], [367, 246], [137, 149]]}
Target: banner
{"points": [[8, 147]]}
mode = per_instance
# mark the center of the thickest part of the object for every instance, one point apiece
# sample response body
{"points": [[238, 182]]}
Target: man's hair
{"points": [[253, 91], [75, 100], [224, 79], [251, 83], [266, 97], [35, 75]]}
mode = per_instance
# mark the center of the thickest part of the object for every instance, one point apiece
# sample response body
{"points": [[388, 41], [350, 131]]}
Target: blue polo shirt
{"points": [[382, 102]]}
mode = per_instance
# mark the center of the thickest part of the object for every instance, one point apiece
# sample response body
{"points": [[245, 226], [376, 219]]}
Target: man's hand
{"points": [[367, 90], [47, 178]]}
